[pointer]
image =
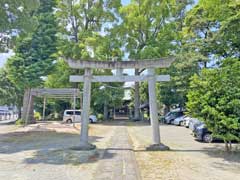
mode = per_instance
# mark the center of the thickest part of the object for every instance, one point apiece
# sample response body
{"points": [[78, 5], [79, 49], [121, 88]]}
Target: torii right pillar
{"points": [[157, 145]]}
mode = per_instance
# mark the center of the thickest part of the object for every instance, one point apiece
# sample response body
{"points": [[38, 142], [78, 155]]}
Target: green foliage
{"points": [[34, 55], [16, 17], [59, 76], [150, 29], [209, 34], [147, 27], [227, 41], [37, 116], [112, 94], [100, 117], [215, 99], [19, 122], [212, 27], [80, 25], [9, 92], [16, 14]]}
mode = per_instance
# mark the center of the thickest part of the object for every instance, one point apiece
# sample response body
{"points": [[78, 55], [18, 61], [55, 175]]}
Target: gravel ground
{"points": [[187, 160], [41, 152]]}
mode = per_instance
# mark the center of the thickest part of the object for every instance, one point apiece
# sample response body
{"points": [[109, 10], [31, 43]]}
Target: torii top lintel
{"points": [[139, 64]]}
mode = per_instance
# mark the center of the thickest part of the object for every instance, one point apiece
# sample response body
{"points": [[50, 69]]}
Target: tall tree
{"points": [[81, 23], [201, 31], [147, 30], [34, 55], [204, 22], [214, 98], [85, 33]]}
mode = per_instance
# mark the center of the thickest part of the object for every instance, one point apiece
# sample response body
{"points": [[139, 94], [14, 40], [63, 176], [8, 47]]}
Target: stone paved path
{"points": [[118, 162]]}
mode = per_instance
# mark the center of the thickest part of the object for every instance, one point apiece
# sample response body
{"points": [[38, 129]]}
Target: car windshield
{"points": [[72, 112], [168, 114], [69, 112], [201, 126], [77, 113]]}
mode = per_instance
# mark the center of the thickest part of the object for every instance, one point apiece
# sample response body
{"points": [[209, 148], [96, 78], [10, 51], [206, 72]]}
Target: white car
{"points": [[72, 116], [187, 121], [179, 121]]}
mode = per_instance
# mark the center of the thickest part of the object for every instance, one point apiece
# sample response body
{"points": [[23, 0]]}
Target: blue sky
{"points": [[125, 2], [4, 57]]}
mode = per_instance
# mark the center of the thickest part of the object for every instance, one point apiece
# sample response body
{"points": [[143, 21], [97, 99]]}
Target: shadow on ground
{"points": [[49, 147], [216, 151], [67, 156], [124, 123]]}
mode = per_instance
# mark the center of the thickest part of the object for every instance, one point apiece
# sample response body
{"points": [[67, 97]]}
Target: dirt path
{"points": [[118, 162]]}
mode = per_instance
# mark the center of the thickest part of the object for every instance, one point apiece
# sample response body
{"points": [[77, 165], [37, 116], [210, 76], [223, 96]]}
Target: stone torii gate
{"points": [[150, 65]]}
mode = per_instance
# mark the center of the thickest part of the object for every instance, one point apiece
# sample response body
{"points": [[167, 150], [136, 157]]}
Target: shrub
{"points": [[19, 122], [37, 116]]}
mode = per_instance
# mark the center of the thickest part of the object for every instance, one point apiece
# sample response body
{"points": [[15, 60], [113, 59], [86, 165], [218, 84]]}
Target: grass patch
{"points": [[19, 122]]}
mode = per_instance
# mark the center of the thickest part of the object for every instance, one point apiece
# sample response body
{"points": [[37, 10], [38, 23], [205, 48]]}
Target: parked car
{"points": [[71, 116], [203, 134], [169, 117], [179, 121], [194, 123], [187, 120]]}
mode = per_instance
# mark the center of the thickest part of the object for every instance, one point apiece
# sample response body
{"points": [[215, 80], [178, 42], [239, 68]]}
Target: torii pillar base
{"points": [[84, 147], [158, 147]]}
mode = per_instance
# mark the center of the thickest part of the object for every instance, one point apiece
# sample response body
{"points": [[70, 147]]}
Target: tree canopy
{"points": [[214, 98], [16, 18]]}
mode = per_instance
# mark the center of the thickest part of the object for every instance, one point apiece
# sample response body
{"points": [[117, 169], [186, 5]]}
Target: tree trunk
{"points": [[25, 104], [230, 145], [105, 111], [166, 109], [136, 99], [226, 146], [31, 110], [205, 64], [19, 112]]}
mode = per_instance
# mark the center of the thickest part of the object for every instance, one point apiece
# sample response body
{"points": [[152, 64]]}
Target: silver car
{"points": [[179, 121], [194, 123], [170, 116]]}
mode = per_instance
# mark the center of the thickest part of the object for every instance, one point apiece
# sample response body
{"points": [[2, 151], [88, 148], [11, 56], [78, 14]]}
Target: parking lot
{"points": [[41, 151], [188, 158]]}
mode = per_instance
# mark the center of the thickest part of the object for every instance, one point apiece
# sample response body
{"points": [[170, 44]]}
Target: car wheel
{"points": [[90, 120], [181, 123], [69, 121], [207, 138], [171, 121]]}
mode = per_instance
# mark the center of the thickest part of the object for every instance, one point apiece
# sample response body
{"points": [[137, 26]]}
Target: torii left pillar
{"points": [[84, 144]]}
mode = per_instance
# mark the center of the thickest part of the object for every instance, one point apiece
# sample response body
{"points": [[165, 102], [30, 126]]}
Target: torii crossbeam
{"points": [[150, 65]]}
